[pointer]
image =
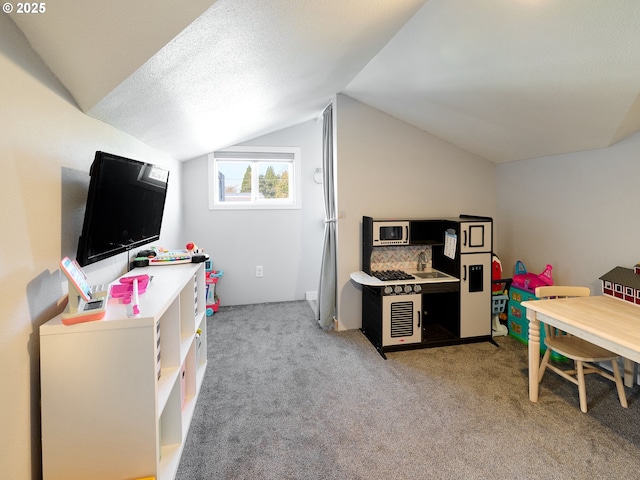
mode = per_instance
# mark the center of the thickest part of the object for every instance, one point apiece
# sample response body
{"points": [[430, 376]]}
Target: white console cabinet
{"points": [[118, 394]]}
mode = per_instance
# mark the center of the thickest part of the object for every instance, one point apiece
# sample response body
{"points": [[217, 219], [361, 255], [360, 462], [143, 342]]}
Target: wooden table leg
{"points": [[630, 372], [534, 355]]}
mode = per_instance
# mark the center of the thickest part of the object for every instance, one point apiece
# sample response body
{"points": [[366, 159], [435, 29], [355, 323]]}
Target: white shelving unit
{"points": [[118, 394]]}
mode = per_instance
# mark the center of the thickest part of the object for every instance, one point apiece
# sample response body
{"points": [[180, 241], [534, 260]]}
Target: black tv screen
{"points": [[125, 204]]}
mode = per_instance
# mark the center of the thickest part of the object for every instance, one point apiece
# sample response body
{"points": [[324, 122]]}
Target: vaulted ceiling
{"points": [[504, 79]]}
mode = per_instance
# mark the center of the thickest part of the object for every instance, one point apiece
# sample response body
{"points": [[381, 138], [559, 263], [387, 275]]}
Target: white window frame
{"points": [[256, 154]]}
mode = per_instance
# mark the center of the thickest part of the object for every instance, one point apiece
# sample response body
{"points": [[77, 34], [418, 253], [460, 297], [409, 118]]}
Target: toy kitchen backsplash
{"points": [[398, 258]]}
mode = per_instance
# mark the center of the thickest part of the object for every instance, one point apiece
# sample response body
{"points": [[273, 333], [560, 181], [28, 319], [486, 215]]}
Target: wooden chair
{"points": [[583, 353]]}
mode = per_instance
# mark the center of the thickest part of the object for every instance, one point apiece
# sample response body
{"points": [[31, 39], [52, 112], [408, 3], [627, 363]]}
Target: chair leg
{"points": [[543, 364], [582, 389], [619, 385]]}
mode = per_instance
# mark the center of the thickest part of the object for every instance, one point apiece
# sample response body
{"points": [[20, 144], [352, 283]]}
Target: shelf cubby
{"points": [[118, 394]]}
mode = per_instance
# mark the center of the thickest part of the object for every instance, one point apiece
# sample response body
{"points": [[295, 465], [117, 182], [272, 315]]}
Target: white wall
{"points": [[46, 148], [387, 168], [578, 211], [287, 243]]}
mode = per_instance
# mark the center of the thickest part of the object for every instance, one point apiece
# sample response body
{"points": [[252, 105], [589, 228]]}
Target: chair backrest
{"points": [[560, 291]]}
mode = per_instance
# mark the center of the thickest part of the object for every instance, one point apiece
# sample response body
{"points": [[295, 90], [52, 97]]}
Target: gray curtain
{"points": [[328, 274]]}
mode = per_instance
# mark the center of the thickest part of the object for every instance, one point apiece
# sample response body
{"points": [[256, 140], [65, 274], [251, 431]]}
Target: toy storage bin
{"points": [[519, 324], [498, 303]]}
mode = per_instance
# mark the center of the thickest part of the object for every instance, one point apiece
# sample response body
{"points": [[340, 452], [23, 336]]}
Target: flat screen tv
{"points": [[125, 204]]}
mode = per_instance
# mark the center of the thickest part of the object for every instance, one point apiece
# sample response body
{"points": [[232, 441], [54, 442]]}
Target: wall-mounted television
{"points": [[125, 204]]}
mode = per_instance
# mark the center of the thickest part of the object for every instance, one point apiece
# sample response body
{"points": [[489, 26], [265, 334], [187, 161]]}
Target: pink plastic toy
{"points": [[529, 281], [125, 289]]}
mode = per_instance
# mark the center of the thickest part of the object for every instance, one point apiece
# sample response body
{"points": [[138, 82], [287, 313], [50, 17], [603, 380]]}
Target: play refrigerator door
{"points": [[475, 295], [475, 237]]}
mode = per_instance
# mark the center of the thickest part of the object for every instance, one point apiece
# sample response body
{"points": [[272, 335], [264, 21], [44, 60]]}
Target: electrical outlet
{"points": [[259, 271]]}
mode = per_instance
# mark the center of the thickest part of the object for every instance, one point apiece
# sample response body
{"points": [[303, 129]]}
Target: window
{"points": [[254, 178]]}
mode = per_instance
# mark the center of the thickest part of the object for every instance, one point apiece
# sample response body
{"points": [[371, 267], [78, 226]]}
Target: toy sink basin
{"points": [[431, 274]]}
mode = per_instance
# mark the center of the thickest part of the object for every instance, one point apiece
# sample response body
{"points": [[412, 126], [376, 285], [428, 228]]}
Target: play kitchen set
{"points": [[426, 282]]}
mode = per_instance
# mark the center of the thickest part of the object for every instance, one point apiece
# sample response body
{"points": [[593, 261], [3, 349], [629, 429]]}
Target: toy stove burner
{"points": [[391, 275]]}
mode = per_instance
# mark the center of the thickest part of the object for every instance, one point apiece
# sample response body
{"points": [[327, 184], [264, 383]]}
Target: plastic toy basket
{"points": [[498, 303]]}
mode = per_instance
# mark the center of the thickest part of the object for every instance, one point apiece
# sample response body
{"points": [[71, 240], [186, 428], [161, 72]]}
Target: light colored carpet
{"points": [[283, 399]]}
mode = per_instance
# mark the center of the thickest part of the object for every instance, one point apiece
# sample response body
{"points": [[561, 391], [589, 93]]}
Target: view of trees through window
{"points": [[270, 183], [249, 181], [251, 177]]}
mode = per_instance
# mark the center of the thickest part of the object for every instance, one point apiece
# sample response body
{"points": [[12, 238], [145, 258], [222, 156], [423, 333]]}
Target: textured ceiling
{"points": [[505, 79], [93, 46]]}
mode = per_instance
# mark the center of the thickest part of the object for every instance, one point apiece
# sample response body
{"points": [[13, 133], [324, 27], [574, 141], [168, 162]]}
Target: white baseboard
{"points": [[310, 296]]}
